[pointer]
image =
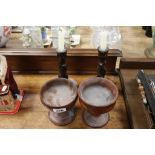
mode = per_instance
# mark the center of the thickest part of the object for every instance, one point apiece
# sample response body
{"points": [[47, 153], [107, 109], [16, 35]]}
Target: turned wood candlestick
{"points": [[102, 56], [59, 95], [98, 95]]}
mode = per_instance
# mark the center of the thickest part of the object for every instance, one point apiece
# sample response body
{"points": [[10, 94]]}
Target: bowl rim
{"points": [[58, 107], [96, 106]]}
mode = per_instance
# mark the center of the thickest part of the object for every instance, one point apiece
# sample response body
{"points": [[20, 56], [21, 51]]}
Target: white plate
{"points": [[75, 39]]}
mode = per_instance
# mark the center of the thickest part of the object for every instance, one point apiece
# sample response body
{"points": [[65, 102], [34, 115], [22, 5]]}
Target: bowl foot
{"points": [[95, 121], [63, 118]]}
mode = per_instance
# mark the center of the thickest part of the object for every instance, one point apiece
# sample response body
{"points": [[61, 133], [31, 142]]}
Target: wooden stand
{"points": [[79, 61], [62, 115]]}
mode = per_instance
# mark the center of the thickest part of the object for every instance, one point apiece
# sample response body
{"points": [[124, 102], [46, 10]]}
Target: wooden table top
{"points": [[33, 114]]}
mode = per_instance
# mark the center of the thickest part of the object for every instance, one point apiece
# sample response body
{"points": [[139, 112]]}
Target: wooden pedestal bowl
{"points": [[59, 96], [97, 96]]}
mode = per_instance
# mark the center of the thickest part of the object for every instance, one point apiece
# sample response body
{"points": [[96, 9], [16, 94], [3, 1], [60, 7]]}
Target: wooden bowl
{"points": [[97, 95], [59, 93]]}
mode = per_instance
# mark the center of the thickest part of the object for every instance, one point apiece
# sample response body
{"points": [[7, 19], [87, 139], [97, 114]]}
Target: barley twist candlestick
{"points": [[62, 64], [102, 55]]}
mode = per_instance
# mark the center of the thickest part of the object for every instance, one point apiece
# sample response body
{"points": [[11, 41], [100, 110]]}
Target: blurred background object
{"points": [[36, 36], [68, 30], [16, 29], [150, 51], [5, 33], [113, 38], [148, 31]]}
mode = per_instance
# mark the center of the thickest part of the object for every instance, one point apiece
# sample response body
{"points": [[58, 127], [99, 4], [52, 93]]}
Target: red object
{"points": [[9, 79], [17, 103]]}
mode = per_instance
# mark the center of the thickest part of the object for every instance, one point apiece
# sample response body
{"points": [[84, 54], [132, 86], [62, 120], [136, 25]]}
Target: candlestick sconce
{"points": [[97, 95], [59, 95]]}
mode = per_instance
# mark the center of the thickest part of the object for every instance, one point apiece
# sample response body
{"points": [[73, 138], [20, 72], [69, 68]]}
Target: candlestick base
{"points": [[95, 121], [63, 118]]}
